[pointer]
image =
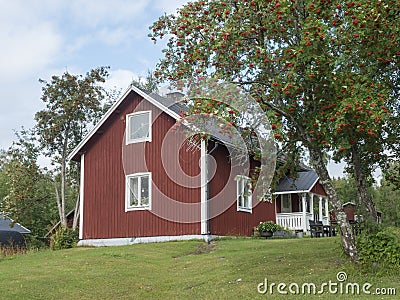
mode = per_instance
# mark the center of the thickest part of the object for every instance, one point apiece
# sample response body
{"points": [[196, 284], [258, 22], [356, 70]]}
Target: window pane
{"points": [[240, 190], [246, 193], [285, 201], [139, 126], [134, 191], [144, 190]]}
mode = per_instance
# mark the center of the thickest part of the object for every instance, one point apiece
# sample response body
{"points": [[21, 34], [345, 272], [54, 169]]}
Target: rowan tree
{"points": [[72, 104], [326, 72]]}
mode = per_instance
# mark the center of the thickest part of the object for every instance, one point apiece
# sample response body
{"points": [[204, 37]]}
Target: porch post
{"points": [[320, 208], [326, 209], [304, 205], [312, 206]]}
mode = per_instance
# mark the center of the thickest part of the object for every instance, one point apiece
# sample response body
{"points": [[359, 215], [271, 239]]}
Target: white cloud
{"points": [[120, 79], [169, 6], [29, 43], [113, 37], [95, 12], [336, 169]]}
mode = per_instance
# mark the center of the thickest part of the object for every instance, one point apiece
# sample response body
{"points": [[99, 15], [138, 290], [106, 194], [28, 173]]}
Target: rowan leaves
{"points": [[330, 67]]}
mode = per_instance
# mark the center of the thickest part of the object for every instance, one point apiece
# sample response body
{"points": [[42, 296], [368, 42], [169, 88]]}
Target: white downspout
{"points": [[81, 196], [203, 188]]}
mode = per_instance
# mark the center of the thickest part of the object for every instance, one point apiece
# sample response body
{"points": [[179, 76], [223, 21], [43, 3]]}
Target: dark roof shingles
{"points": [[304, 182]]}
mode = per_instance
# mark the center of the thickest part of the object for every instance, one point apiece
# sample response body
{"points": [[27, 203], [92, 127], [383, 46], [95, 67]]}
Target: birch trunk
{"points": [[363, 193], [347, 236], [76, 214], [63, 218], [58, 200]]}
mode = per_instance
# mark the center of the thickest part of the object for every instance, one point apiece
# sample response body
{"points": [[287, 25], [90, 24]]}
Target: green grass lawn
{"points": [[225, 269]]}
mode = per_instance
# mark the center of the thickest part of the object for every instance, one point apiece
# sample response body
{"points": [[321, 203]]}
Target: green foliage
{"points": [[380, 250], [28, 198], [346, 188], [64, 238], [3, 190], [392, 174], [149, 84], [320, 66], [72, 104], [268, 226], [387, 200]]}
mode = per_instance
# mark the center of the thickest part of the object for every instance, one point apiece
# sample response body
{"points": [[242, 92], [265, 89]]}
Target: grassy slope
{"points": [[179, 270]]}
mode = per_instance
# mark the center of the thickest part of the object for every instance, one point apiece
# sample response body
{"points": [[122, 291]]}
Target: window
{"points": [[138, 127], [138, 191], [243, 193], [286, 203]]}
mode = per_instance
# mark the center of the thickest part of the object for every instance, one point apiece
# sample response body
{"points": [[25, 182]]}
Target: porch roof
{"points": [[302, 184]]}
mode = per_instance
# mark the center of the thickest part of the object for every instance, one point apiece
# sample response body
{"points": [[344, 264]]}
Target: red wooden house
{"points": [[141, 183]]}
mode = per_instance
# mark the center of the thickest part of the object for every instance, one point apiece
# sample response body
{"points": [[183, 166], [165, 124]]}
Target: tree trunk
{"points": [[363, 193], [58, 200], [347, 236], [76, 214], [63, 218]]}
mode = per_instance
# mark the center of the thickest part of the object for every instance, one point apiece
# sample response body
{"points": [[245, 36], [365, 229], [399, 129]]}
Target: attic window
{"points": [[138, 127], [244, 200], [138, 191]]}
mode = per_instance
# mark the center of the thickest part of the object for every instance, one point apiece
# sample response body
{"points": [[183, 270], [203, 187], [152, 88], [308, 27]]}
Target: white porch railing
{"points": [[294, 221]]}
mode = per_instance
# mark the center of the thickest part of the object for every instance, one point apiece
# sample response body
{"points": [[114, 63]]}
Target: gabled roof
{"points": [[176, 107], [302, 184], [7, 224], [166, 105]]}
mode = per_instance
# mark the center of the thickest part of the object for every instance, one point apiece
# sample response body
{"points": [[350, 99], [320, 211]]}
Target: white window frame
{"points": [[129, 207], [241, 180], [289, 198], [128, 128]]}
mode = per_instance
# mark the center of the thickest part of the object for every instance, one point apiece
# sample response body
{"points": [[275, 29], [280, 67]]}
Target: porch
{"points": [[294, 211]]}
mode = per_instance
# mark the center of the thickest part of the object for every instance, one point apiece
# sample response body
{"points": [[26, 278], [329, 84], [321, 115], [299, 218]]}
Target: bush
{"points": [[64, 238], [268, 226], [381, 249], [35, 242]]}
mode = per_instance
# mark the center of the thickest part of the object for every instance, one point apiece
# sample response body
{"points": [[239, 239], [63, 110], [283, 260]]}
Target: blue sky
{"points": [[41, 38], [47, 37]]}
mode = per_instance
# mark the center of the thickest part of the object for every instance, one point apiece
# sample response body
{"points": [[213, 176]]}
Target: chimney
{"points": [[174, 96]]}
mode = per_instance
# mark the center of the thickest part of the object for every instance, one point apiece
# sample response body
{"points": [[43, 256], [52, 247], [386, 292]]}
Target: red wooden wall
{"points": [[223, 207], [108, 160]]}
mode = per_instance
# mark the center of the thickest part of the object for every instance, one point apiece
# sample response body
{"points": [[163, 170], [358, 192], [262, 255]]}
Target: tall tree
{"points": [[392, 174], [326, 69], [3, 189], [346, 188], [72, 104], [28, 198], [388, 202]]}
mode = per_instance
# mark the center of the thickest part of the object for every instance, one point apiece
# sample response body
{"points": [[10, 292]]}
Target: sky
{"points": [[41, 38]]}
